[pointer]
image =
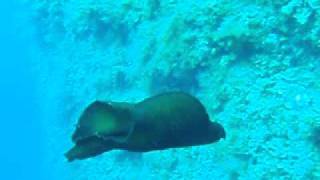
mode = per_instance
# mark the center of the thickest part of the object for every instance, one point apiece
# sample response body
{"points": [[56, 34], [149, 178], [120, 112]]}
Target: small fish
{"points": [[168, 120]]}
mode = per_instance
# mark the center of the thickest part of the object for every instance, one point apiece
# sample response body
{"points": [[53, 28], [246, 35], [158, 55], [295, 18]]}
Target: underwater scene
{"points": [[160, 89]]}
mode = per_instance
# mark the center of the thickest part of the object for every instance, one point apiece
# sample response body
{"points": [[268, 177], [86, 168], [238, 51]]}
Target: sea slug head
{"points": [[216, 132]]}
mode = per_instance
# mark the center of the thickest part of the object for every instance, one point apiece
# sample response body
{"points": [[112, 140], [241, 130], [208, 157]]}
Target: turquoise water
{"points": [[253, 64]]}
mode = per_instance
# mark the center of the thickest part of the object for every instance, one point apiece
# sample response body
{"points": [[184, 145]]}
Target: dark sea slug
{"points": [[168, 120]]}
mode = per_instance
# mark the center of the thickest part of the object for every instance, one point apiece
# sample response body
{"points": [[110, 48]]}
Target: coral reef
{"points": [[254, 64]]}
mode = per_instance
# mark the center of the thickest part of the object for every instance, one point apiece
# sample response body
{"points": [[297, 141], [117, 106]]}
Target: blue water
{"points": [[20, 134], [253, 64]]}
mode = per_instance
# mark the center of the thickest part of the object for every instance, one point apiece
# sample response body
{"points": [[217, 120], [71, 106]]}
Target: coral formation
{"points": [[315, 137], [254, 64]]}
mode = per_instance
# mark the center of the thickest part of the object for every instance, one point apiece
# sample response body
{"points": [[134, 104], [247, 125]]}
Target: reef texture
{"points": [[253, 63]]}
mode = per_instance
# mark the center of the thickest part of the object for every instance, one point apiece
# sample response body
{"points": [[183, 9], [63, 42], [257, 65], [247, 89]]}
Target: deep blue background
{"points": [[20, 129]]}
